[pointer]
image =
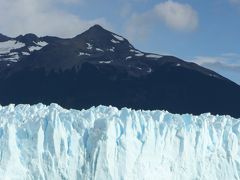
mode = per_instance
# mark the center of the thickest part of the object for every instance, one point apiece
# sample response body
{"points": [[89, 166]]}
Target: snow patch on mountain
{"points": [[112, 49], [25, 53], [39, 46], [105, 62], [8, 46], [129, 57], [118, 37], [49, 142], [153, 56], [149, 70], [98, 49], [12, 58], [42, 43], [11, 50], [34, 48], [83, 54], [139, 54], [135, 51], [89, 46], [114, 41]]}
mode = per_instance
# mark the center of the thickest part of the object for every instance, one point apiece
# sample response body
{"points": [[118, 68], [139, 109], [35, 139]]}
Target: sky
{"points": [[206, 32]]}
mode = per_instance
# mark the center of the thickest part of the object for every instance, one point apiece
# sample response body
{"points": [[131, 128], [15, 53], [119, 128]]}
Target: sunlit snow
{"points": [[112, 49], [149, 70], [105, 62], [84, 54], [39, 46], [34, 48], [41, 43], [118, 37], [7, 46], [115, 42], [98, 49], [89, 46], [153, 56], [139, 54], [129, 57], [25, 53]]}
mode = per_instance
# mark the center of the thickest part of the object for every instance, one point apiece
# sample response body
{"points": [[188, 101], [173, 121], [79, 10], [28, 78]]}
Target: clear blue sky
{"points": [[206, 32]]}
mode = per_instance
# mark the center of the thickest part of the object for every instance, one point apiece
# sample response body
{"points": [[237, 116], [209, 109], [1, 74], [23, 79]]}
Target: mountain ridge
{"points": [[31, 38], [101, 67]]}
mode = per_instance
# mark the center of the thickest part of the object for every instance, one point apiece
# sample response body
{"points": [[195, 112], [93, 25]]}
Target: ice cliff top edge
{"points": [[102, 109]]}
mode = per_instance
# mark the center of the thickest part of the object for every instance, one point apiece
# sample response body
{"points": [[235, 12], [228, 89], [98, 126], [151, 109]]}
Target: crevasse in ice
{"points": [[104, 143]]}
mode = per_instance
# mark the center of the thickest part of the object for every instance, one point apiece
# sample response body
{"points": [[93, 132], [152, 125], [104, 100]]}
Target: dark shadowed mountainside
{"points": [[100, 67]]}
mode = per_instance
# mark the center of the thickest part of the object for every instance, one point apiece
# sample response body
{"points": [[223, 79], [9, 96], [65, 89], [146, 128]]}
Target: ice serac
{"points": [[49, 142]]}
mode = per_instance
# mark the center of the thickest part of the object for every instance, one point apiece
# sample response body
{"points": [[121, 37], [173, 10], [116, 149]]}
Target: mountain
{"points": [[4, 38], [101, 67], [13, 50], [104, 143]]}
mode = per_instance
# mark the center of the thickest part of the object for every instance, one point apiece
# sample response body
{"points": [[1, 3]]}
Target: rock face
{"points": [[49, 142], [100, 67]]}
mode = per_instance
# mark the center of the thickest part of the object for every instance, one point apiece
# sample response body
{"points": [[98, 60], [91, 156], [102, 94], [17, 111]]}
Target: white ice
{"points": [[104, 143]]}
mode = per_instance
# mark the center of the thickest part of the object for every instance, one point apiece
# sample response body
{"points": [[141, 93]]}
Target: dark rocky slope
{"points": [[100, 67]]}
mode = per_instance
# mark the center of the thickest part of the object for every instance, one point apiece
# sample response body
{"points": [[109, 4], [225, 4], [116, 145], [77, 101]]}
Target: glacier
{"points": [[104, 143]]}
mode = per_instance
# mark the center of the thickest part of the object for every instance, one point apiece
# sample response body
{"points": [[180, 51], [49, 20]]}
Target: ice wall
{"points": [[104, 143]]}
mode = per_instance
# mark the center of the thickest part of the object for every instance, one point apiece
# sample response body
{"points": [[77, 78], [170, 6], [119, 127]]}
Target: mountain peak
{"points": [[97, 27], [101, 67], [96, 31], [27, 37], [99, 37], [3, 38], [1, 35]]}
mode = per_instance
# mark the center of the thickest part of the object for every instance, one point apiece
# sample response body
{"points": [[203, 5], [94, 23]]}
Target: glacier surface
{"points": [[104, 143]]}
